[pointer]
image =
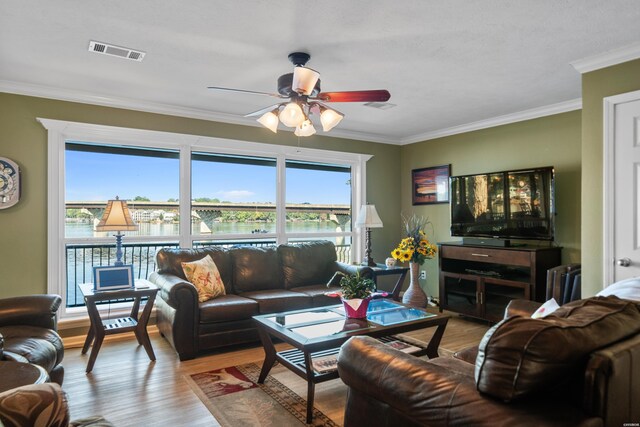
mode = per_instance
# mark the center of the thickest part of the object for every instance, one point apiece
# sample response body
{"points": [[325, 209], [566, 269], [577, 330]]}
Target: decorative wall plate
{"points": [[9, 183]]}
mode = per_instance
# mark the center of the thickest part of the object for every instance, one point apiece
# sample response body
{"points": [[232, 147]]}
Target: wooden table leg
{"points": [[311, 387], [395, 293], [269, 354], [88, 340], [434, 343], [141, 329], [98, 330], [134, 315]]}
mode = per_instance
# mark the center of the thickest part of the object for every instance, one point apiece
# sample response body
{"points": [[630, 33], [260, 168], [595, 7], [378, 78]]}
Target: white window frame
{"points": [[60, 132]]}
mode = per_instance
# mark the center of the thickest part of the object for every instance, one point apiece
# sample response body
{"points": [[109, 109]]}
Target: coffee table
{"points": [[319, 332]]}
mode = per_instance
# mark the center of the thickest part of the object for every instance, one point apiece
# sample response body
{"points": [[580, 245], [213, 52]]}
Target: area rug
{"points": [[235, 398]]}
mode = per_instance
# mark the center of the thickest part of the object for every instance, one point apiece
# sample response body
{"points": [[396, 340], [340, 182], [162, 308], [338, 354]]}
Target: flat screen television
{"points": [[517, 204]]}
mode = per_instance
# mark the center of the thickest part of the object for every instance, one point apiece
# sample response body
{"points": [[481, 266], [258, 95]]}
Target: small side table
{"points": [[99, 328], [382, 270], [16, 374]]}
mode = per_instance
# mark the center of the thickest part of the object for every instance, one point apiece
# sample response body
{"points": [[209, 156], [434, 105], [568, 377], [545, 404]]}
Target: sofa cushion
{"points": [[255, 269], [307, 263], [38, 345], [279, 300], [169, 261], [519, 355], [227, 308], [205, 276], [317, 294]]}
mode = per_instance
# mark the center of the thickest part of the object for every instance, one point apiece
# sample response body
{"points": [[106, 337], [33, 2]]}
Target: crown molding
{"points": [[534, 113], [607, 59], [41, 91]]}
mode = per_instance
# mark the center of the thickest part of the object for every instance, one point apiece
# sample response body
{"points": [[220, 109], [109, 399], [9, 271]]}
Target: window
{"points": [[318, 202], [188, 191], [233, 194], [148, 179]]}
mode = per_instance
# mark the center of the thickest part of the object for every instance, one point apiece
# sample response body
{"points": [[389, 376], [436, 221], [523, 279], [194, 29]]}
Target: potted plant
{"points": [[356, 292]]}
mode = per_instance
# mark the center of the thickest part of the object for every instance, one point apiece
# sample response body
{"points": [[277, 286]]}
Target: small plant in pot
{"points": [[356, 292]]}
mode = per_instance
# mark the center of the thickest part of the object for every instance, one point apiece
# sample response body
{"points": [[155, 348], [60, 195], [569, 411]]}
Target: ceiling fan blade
{"points": [[262, 111], [275, 95], [355, 96]]}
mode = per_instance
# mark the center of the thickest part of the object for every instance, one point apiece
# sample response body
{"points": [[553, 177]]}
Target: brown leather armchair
{"points": [[391, 388], [28, 326]]}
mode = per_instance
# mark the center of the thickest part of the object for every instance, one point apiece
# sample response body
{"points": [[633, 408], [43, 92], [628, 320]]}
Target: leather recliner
{"points": [[28, 326], [577, 368]]}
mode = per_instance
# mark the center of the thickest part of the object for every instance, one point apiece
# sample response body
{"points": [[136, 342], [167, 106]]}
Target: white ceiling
{"points": [[447, 63]]}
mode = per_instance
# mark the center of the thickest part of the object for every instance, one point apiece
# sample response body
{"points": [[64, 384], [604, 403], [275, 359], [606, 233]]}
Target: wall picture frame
{"points": [[112, 277], [430, 185]]}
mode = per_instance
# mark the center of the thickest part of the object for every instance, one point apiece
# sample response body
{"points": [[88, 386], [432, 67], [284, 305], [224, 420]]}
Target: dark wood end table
{"points": [[383, 270], [99, 327], [17, 374]]}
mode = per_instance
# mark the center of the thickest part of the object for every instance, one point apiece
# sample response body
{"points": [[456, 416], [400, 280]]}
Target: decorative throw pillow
{"points": [[205, 277], [625, 289], [545, 309]]}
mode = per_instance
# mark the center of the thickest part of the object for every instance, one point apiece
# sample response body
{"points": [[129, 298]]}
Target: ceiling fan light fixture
{"points": [[292, 115], [305, 129], [330, 118], [270, 120], [304, 80]]}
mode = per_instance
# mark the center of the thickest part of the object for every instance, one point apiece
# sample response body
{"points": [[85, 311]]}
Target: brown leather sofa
{"points": [[28, 326], [577, 367], [257, 280]]}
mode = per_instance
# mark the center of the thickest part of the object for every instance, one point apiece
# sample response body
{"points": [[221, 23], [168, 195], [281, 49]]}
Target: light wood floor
{"points": [[129, 390]]}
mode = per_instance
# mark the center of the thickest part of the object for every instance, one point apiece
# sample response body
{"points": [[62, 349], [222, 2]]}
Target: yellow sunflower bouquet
{"points": [[415, 247]]}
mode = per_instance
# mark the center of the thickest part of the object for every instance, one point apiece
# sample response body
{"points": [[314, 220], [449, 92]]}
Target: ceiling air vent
{"points": [[119, 51], [380, 105]]}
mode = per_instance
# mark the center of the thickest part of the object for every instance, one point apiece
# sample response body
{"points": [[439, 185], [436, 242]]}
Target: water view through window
{"points": [[233, 201]]}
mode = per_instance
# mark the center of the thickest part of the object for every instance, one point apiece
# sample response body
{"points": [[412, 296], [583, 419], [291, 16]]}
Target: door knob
{"points": [[624, 262]]}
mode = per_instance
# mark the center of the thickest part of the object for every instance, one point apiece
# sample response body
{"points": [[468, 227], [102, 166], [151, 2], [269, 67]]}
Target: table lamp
{"points": [[368, 218], [117, 218]]}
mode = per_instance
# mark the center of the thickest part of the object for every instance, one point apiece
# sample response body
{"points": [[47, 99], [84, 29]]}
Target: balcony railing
{"points": [[81, 258]]}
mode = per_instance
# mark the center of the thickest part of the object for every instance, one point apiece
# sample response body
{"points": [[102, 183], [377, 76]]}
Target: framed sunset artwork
{"points": [[430, 185]]}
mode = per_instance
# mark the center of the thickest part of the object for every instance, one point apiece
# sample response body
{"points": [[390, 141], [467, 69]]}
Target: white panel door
{"points": [[626, 174]]}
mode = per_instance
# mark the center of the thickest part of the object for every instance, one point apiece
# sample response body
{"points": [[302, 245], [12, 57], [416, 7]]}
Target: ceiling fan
{"points": [[301, 89]]}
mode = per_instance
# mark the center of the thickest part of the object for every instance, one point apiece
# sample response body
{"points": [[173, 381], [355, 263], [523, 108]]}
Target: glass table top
{"points": [[330, 321]]}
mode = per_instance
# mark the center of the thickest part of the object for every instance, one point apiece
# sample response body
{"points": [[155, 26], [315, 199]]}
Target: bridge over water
{"points": [[207, 212]]}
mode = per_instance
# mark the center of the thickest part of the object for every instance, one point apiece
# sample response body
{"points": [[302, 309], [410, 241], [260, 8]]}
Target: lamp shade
{"points": [[270, 120], [368, 217], [330, 118], [116, 217], [292, 115], [305, 129], [304, 80]]}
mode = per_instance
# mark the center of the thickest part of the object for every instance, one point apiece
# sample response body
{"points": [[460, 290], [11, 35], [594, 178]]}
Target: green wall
{"points": [[547, 141], [597, 85], [572, 142], [23, 252]]}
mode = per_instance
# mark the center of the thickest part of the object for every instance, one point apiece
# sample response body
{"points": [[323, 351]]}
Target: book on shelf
{"points": [[325, 363], [402, 346]]}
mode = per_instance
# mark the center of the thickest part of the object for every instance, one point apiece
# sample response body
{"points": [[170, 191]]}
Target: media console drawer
{"points": [[496, 256]]}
